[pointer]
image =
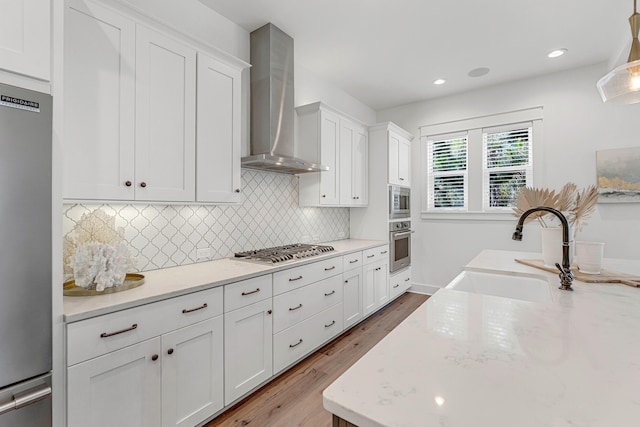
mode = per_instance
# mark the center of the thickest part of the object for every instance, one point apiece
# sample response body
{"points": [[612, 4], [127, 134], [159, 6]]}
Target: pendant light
{"points": [[622, 85]]}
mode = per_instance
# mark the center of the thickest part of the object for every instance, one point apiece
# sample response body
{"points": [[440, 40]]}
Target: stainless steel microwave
{"points": [[399, 202]]}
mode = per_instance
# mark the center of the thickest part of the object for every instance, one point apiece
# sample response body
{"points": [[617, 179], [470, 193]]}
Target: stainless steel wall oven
{"points": [[399, 245]]}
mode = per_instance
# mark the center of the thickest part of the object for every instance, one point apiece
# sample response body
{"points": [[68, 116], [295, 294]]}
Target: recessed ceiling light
{"points": [[479, 72], [557, 52], [439, 81]]}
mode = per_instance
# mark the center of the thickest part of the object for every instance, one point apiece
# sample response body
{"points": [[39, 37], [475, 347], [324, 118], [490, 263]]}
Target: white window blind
{"points": [[507, 164], [447, 172]]}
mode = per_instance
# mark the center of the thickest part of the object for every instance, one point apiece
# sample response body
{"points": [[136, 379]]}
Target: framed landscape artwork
{"points": [[618, 175]]}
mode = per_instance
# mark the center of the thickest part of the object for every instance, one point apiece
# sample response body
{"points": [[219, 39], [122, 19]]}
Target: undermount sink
{"points": [[525, 288]]}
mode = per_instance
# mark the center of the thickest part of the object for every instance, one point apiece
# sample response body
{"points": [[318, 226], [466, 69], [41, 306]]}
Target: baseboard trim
{"points": [[419, 288]]}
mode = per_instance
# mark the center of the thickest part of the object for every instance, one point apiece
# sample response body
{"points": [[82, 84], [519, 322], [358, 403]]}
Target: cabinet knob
{"points": [[154, 357], [127, 183], [170, 351], [358, 197], [354, 197], [324, 195], [269, 311], [237, 190], [143, 184]]}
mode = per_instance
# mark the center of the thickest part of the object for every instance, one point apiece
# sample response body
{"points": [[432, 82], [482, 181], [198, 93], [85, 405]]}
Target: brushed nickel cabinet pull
{"points": [[395, 286], [296, 344], [330, 324], [351, 262], [244, 294], [330, 268], [330, 293], [407, 279], [205, 305], [295, 308], [154, 357], [295, 278], [122, 331], [170, 351], [371, 256], [401, 179], [383, 252]]}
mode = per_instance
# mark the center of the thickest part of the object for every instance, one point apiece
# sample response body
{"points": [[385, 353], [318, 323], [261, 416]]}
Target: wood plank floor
{"points": [[295, 397]]}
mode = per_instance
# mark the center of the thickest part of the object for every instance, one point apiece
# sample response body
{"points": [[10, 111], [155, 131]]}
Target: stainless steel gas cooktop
{"points": [[283, 253]]}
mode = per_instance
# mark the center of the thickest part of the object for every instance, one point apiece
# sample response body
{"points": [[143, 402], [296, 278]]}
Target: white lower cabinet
{"points": [[294, 343], [121, 388], [352, 297], [375, 286], [399, 283], [192, 373], [248, 333]]}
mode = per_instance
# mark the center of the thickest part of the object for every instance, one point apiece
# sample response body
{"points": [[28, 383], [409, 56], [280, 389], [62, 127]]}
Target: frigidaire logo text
{"points": [[18, 101]]}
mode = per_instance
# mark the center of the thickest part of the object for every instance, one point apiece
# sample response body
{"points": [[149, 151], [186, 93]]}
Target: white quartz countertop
{"points": [[174, 281], [465, 359]]}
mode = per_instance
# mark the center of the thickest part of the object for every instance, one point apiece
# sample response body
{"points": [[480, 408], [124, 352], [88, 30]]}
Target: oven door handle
{"points": [[401, 235]]}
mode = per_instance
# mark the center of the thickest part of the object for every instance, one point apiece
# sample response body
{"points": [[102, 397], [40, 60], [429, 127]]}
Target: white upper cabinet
{"points": [[99, 103], [165, 148], [399, 159], [131, 99], [336, 141], [25, 37], [218, 131]]}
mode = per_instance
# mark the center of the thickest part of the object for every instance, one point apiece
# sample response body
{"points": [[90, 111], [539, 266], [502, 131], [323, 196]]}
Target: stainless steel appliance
{"points": [[25, 264], [399, 202], [272, 113], [399, 245], [284, 253]]}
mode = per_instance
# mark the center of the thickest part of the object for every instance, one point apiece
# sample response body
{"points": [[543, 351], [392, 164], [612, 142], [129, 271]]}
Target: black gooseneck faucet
{"points": [[566, 276]]}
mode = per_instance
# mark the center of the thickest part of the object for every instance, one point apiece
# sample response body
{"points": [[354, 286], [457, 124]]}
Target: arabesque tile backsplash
{"points": [[162, 236]]}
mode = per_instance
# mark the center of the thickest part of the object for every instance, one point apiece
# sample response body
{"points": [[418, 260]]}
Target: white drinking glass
{"points": [[589, 255]]}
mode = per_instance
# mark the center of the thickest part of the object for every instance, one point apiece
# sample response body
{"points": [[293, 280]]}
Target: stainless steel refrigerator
{"points": [[25, 258]]}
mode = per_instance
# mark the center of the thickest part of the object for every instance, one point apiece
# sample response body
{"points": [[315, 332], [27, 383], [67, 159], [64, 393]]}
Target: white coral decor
{"points": [[97, 255], [101, 265]]}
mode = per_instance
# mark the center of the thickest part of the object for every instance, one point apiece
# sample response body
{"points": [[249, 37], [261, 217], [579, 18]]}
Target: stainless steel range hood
{"points": [[272, 112]]}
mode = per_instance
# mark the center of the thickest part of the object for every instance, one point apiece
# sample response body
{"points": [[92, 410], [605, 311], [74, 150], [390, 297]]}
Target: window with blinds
{"points": [[507, 164], [447, 172]]}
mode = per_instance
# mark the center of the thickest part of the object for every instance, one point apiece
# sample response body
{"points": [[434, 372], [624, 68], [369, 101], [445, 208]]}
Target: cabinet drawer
{"points": [[298, 277], [375, 254], [294, 343], [93, 337], [300, 304], [399, 283], [241, 294], [351, 261]]}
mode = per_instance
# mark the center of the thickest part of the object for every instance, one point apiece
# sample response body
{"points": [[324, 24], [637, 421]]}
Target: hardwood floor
{"points": [[295, 397]]}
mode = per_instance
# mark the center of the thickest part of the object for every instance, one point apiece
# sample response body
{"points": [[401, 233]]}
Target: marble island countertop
{"points": [[171, 282], [466, 359]]}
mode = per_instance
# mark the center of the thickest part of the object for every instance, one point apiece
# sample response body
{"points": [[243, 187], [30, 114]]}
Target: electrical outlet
{"points": [[203, 253]]}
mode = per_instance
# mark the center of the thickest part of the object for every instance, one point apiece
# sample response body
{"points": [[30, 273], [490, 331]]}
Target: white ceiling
{"points": [[388, 52]]}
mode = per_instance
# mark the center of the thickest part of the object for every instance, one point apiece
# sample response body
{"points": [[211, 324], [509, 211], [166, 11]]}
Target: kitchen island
{"points": [[468, 359]]}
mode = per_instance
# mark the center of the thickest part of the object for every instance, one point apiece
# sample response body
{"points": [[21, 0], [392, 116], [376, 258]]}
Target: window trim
{"points": [[475, 168]]}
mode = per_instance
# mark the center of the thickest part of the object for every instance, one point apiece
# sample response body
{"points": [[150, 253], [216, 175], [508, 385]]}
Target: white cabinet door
{"points": [[360, 180], [165, 145], [394, 159], [404, 162], [25, 37], [381, 279], [329, 156], [121, 388], [352, 297], [218, 132], [248, 357], [369, 301], [192, 373], [346, 173], [99, 112]]}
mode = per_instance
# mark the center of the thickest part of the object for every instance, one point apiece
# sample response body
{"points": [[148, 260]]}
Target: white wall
{"points": [[576, 124]]}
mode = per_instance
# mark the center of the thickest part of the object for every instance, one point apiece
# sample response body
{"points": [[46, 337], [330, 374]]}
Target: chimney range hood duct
{"points": [[272, 120]]}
